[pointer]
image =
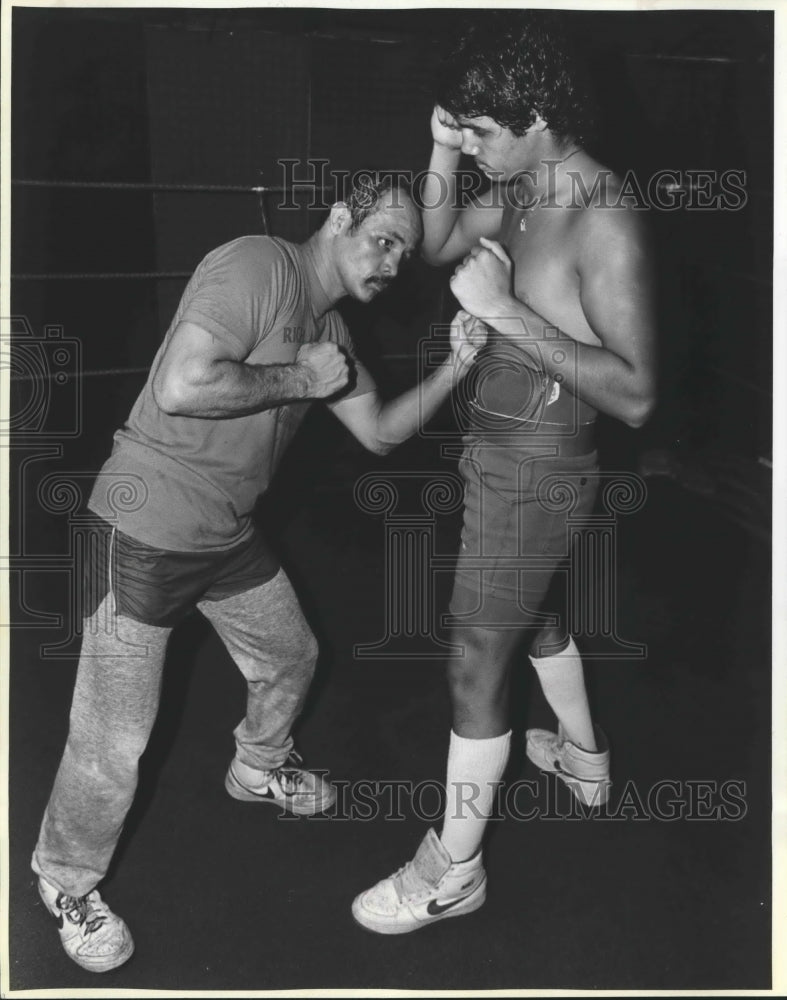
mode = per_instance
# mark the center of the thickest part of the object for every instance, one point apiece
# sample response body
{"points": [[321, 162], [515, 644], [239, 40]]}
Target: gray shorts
{"points": [[522, 511]]}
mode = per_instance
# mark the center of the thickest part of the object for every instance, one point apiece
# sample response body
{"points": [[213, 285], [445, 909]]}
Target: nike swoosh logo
{"points": [[559, 769], [434, 908], [265, 794], [269, 794]]}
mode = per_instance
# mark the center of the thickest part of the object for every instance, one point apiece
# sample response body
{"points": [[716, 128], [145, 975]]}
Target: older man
{"points": [[254, 341]]}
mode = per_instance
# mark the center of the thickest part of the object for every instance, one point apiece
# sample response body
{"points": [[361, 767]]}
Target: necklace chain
{"points": [[530, 208]]}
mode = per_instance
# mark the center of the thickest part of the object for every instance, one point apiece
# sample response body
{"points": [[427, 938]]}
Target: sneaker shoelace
{"points": [[408, 883], [290, 775], [82, 910]]}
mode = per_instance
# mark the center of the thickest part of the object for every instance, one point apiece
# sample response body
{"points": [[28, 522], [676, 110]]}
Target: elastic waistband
{"points": [[570, 445]]}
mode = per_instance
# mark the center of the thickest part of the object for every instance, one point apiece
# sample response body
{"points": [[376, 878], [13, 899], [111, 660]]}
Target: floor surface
{"points": [[669, 889]]}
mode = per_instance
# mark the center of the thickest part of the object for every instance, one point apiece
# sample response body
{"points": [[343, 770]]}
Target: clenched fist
{"points": [[324, 367], [445, 131], [482, 282], [468, 336]]}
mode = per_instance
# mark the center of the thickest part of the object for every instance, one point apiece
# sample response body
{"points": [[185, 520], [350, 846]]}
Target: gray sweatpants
{"points": [[115, 702]]}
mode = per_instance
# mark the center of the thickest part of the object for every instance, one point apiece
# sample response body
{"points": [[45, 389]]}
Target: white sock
{"points": [[475, 768], [251, 777], [563, 683]]}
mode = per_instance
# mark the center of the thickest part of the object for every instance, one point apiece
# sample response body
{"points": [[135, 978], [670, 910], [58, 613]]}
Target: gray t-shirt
{"points": [[188, 483]]}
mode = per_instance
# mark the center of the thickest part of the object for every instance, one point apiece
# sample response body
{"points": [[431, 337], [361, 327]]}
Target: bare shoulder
{"points": [[610, 225]]}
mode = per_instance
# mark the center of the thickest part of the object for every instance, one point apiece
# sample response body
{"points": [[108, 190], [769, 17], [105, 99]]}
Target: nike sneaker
{"points": [[289, 787], [585, 773], [92, 935], [430, 887]]}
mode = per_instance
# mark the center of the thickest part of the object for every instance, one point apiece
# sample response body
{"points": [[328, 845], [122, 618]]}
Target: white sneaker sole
{"points": [[243, 794], [390, 925], [104, 964]]}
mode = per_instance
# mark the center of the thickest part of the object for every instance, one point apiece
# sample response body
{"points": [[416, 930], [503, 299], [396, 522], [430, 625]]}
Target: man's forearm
{"points": [[596, 375], [440, 194], [400, 418], [225, 389]]}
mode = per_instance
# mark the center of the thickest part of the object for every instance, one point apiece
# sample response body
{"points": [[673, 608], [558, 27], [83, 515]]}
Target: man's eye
{"points": [[385, 243]]}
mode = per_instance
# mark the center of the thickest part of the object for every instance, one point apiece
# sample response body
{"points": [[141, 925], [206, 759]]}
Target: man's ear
{"points": [[339, 218], [539, 124]]}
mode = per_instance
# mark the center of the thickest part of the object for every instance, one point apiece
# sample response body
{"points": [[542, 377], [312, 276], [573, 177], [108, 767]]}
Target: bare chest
{"points": [[542, 244]]}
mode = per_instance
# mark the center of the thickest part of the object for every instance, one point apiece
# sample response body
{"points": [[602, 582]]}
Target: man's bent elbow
{"points": [[375, 443], [435, 256], [430, 257], [380, 447], [180, 390], [639, 411], [171, 395]]}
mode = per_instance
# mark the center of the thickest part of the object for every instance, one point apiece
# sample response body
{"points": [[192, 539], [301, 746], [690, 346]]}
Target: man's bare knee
{"points": [[549, 641], [476, 677]]}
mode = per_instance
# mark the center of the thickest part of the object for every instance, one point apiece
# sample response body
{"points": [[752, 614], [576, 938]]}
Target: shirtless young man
{"points": [[562, 277]]}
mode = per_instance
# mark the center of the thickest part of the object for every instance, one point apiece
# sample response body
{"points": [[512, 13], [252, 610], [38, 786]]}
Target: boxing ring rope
{"points": [[260, 190], [33, 377], [98, 276], [154, 186]]}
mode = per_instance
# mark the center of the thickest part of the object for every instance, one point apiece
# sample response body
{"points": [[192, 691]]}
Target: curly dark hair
{"points": [[512, 66]]}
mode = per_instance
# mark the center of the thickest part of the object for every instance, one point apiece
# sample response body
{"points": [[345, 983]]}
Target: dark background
{"points": [[216, 98]]}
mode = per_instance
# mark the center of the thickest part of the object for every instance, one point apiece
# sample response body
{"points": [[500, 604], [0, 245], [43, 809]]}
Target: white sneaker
{"points": [[92, 935], [289, 787], [428, 888], [585, 773]]}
